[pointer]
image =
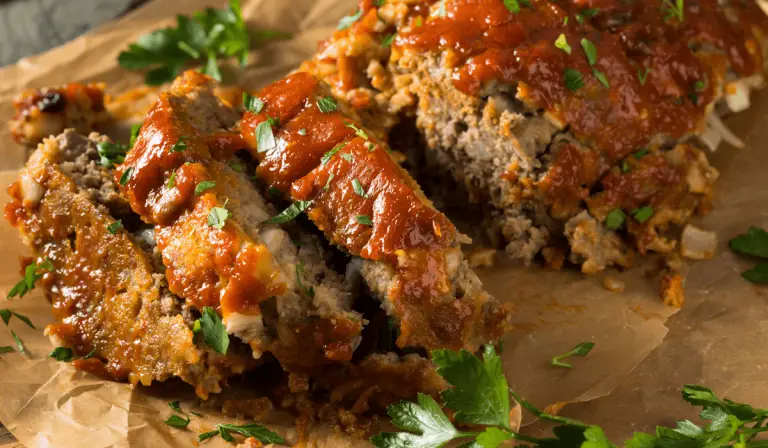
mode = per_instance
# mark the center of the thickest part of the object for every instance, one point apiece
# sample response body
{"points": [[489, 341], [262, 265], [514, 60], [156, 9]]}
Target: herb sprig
{"points": [[32, 274], [754, 243]]}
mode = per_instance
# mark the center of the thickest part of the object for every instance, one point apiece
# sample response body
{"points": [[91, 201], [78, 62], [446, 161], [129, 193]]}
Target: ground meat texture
{"points": [[49, 111], [366, 203], [488, 91], [274, 295], [106, 296]]}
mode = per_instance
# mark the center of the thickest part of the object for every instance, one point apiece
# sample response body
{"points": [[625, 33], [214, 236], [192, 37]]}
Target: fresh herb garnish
{"points": [[171, 180], [359, 189], [265, 139], [135, 133], [180, 145], [371, 146], [348, 21], [641, 153], [32, 274], [590, 12], [512, 6], [175, 406], [672, 9], [6, 349], [210, 34], [127, 174], [326, 104], [755, 243], [388, 39], [115, 226], [218, 216], [7, 314], [328, 182], [252, 103], [62, 354], [177, 422], [642, 214], [642, 75], [111, 154], [214, 331], [359, 132], [364, 220], [204, 185], [19, 343], [236, 165], [302, 131], [310, 291], [327, 156], [601, 77], [290, 213], [573, 79], [589, 50], [258, 432], [348, 157], [582, 349], [615, 219], [562, 43]]}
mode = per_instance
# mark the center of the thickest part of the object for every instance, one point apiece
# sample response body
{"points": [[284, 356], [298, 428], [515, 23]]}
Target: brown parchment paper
{"points": [[628, 382]]}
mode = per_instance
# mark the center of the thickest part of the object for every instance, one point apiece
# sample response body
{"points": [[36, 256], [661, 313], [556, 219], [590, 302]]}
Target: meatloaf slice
{"points": [[345, 178], [49, 111], [109, 298], [220, 250]]}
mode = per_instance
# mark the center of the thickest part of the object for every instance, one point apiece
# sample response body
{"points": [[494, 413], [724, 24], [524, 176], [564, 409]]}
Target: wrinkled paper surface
{"points": [[629, 382]]}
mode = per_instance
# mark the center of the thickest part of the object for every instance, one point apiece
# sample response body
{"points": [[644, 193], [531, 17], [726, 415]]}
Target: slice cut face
{"points": [[273, 288], [320, 157], [109, 295]]}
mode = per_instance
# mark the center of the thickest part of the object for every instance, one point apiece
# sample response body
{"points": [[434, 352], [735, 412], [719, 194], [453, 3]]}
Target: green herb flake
{"points": [[328, 155], [565, 21], [364, 220], [302, 131], [328, 182], [115, 226], [171, 180], [135, 129], [214, 331], [7, 314], [90, 354], [265, 139], [673, 9], [111, 154], [643, 214], [6, 349], [358, 188], [589, 50], [326, 104], [348, 157], [615, 219], [177, 422], [512, 6], [371, 146], [388, 39], [642, 75], [258, 432], [573, 79], [252, 103], [625, 166], [180, 145], [582, 349], [359, 132], [308, 291], [562, 43], [218, 217], [758, 274], [641, 153], [62, 354], [236, 165], [600, 76], [590, 12], [19, 343], [290, 213], [754, 242], [175, 406], [32, 273], [350, 20], [203, 186], [127, 174]]}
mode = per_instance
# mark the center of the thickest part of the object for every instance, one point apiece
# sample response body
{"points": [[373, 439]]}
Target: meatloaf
{"points": [[572, 123]]}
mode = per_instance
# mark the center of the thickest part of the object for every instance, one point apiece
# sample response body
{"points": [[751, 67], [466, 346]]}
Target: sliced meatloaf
{"points": [[538, 108], [45, 112], [321, 157], [110, 298]]}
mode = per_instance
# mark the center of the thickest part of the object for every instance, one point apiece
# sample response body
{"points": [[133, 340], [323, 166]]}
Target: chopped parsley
{"points": [[175, 406], [204, 185], [328, 155], [290, 213], [754, 243], [135, 129], [127, 174], [111, 154], [214, 331], [180, 145], [302, 131], [642, 214], [7, 314], [388, 39], [573, 79], [258, 432], [218, 216], [115, 226], [590, 12], [358, 187], [589, 50], [359, 132], [642, 75], [177, 422], [582, 349], [309, 292], [32, 274], [326, 104], [19, 343], [513, 6], [641, 153], [364, 220], [371, 146], [615, 219], [562, 43], [6, 349], [672, 9], [62, 354], [625, 167], [265, 139], [348, 21], [236, 165], [328, 182], [601, 77], [348, 157], [252, 103], [171, 180]]}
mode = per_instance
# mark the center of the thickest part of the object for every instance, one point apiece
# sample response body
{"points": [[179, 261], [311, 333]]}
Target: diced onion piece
{"points": [[710, 138], [717, 124], [698, 244], [737, 96]]}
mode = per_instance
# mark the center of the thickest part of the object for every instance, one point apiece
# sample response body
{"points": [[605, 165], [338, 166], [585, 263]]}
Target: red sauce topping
{"points": [[489, 43]]}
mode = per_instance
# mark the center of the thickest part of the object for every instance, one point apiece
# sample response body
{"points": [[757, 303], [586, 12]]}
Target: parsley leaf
{"points": [[643, 75], [615, 219], [388, 39], [135, 129], [480, 393], [359, 132], [171, 180], [7, 314], [218, 216], [348, 21], [424, 418], [252, 103], [127, 174], [258, 432], [175, 406], [758, 274], [111, 154], [177, 422], [204, 185], [62, 354], [589, 50], [672, 9], [290, 213], [582, 349], [562, 43], [326, 104], [180, 145], [359, 189], [512, 6], [6, 349], [19, 343], [265, 139], [754, 242], [573, 79], [115, 226], [308, 291], [643, 214], [601, 77], [327, 156], [32, 274], [364, 220], [214, 331]]}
